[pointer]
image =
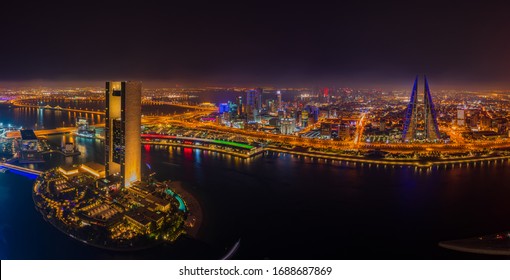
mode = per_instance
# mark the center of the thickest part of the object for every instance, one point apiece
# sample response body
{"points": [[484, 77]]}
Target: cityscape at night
{"points": [[255, 133]]}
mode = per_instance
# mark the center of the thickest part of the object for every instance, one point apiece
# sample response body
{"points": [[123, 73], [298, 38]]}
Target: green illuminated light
{"points": [[234, 144]]}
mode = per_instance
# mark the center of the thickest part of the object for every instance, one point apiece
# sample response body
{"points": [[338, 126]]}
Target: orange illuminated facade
{"points": [[122, 130]]}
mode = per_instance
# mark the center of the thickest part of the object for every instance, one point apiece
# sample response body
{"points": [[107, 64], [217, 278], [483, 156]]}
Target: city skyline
{"points": [[199, 137], [404, 85], [244, 131]]}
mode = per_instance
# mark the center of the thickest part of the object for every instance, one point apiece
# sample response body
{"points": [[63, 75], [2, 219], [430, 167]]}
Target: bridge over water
{"points": [[201, 107], [58, 108], [21, 170], [42, 132]]}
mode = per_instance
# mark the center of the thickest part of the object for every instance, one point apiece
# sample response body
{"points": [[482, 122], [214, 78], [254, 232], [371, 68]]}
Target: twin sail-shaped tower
{"points": [[420, 119]]}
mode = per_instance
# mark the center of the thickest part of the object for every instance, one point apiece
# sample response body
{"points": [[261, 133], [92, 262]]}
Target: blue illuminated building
{"points": [[420, 118], [224, 108]]}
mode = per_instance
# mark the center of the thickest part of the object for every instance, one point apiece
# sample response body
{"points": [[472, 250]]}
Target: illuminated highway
{"points": [[309, 147], [190, 122], [205, 107]]}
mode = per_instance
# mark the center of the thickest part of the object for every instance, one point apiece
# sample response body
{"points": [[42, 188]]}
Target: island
{"points": [[82, 203]]}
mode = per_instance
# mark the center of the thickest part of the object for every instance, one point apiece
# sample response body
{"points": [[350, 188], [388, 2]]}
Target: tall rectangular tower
{"points": [[122, 130], [254, 104]]}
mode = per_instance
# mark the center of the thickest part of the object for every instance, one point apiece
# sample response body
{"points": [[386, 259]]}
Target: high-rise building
{"points": [[253, 104], [240, 109], [279, 97], [224, 107], [420, 119], [325, 95], [233, 109], [122, 131], [304, 118], [460, 117], [287, 126], [271, 106], [315, 114], [474, 121]]}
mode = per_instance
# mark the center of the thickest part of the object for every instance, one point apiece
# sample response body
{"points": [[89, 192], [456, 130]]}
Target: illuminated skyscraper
{"points": [[461, 117], [420, 119], [253, 104], [279, 97], [288, 126], [224, 107], [325, 95], [431, 127], [122, 130], [240, 108]]}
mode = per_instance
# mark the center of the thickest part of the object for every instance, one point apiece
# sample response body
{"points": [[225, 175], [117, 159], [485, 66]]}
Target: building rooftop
{"points": [[68, 167], [138, 217], [152, 216], [28, 134], [94, 166], [157, 200]]}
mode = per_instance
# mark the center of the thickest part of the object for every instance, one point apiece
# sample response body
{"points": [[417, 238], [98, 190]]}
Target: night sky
{"points": [[458, 44]]}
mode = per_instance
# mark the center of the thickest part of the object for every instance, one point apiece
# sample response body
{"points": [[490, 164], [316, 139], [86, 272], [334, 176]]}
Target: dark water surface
{"points": [[284, 207]]}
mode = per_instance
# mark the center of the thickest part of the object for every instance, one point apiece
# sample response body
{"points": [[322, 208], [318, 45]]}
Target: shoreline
{"points": [[419, 163], [122, 245], [194, 210], [116, 249], [82, 240]]}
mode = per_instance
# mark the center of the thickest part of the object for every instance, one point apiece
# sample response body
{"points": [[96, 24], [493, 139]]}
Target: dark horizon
{"points": [[375, 45], [151, 84]]}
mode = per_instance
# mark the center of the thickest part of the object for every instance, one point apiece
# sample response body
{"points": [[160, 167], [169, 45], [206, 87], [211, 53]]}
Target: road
{"points": [[191, 120]]}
